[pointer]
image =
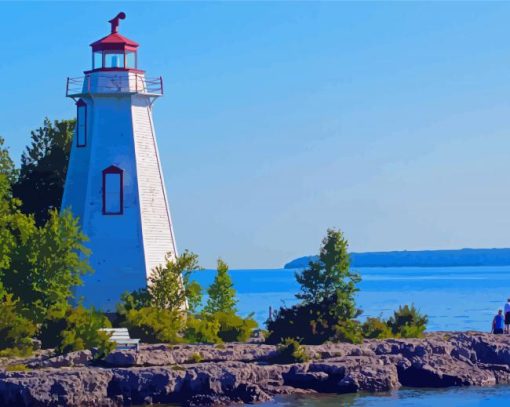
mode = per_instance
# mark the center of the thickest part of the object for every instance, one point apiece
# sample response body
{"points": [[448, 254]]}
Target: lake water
{"points": [[454, 298]]}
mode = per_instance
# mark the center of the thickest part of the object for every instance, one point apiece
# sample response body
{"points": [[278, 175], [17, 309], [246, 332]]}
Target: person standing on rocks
{"points": [[507, 316], [498, 323]]}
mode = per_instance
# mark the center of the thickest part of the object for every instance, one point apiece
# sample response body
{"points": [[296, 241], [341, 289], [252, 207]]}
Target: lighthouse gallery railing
{"points": [[134, 83]]}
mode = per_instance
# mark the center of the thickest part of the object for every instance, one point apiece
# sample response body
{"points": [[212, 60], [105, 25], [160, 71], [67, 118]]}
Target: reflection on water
{"points": [[455, 298]]}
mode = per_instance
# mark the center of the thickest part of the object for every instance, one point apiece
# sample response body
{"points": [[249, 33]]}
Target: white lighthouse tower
{"points": [[114, 182]]}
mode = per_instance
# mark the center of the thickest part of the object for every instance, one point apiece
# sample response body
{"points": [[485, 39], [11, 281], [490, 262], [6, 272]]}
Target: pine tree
{"points": [[222, 295]]}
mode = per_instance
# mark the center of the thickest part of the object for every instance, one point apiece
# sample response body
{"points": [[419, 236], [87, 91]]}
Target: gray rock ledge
{"points": [[240, 373]]}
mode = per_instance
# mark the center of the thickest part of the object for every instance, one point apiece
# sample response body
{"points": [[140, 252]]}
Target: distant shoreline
{"points": [[421, 258]]}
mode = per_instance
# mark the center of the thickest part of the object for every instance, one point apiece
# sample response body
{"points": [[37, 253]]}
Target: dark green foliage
{"points": [[153, 325], [408, 322], [166, 284], [134, 300], [330, 275], [46, 263], [202, 330], [289, 351], [376, 328], [16, 332], [81, 330], [348, 331], [222, 296], [233, 328], [43, 169], [327, 310], [312, 323]]}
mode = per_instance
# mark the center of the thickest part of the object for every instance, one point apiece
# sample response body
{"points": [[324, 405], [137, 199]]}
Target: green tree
{"points": [[170, 286], [43, 169], [331, 275], [327, 310], [222, 295], [7, 167], [46, 263]]}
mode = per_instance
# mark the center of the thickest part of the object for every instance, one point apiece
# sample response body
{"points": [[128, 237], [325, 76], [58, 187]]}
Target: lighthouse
{"points": [[114, 182]]}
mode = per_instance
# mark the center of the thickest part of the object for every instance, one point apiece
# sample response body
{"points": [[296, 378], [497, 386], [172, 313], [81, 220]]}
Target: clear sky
{"points": [[388, 120]]}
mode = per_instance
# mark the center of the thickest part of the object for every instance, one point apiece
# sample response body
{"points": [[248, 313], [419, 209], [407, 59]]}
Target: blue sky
{"points": [[388, 120]]}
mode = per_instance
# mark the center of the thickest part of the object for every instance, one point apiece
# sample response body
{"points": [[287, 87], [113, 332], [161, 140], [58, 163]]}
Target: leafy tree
{"points": [[9, 212], [170, 286], [43, 169], [46, 263], [222, 295], [7, 167]]}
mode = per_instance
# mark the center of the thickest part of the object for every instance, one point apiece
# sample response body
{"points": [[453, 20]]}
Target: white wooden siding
{"points": [[158, 239]]}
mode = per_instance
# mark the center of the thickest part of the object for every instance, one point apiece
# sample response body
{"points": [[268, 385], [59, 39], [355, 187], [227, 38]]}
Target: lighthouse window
{"points": [[130, 60], [98, 60], [113, 191], [114, 60], [81, 123]]}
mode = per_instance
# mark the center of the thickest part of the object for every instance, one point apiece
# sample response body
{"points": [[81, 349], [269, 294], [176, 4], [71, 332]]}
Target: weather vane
{"points": [[116, 20]]}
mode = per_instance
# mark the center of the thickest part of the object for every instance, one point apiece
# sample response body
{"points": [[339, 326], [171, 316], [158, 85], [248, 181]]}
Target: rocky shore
{"points": [[198, 375]]}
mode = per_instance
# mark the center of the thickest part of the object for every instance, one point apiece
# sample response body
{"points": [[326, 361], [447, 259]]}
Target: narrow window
{"points": [[81, 123], [113, 191]]}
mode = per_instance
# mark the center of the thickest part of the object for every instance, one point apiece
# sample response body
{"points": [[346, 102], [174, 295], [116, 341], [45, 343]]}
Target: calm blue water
{"points": [[454, 298]]}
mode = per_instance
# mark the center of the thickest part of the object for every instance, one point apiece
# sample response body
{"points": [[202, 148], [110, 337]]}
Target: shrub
{"points": [[196, 358], [16, 332], [17, 368], [348, 331], [153, 325], [408, 322], [289, 351], [202, 330], [233, 328], [134, 300], [82, 331], [311, 324], [376, 328]]}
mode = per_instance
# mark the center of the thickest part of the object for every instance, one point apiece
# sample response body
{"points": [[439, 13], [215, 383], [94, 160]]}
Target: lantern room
{"points": [[114, 52]]}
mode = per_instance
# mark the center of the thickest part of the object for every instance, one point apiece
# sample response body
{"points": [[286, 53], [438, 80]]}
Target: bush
{"points": [[348, 331], [196, 358], [82, 331], [376, 328], [289, 351], [202, 330], [16, 332], [153, 325], [17, 368], [312, 323], [233, 328], [408, 322]]}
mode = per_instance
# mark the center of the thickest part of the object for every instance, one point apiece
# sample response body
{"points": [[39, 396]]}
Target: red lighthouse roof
{"points": [[114, 41]]}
